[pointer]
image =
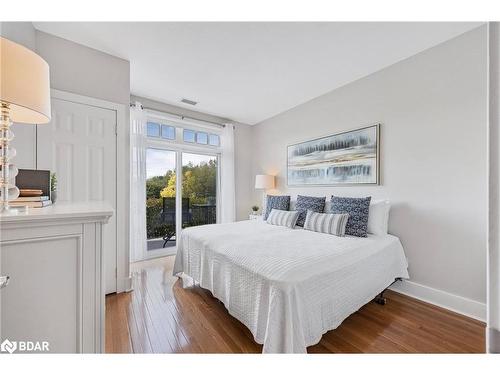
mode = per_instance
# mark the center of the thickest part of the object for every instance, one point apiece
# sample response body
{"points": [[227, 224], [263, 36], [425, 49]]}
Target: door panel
{"points": [[199, 189], [79, 144], [160, 202]]}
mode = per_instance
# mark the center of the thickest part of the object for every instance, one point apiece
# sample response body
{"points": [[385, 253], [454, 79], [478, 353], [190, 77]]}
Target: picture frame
{"points": [[346, 158]]}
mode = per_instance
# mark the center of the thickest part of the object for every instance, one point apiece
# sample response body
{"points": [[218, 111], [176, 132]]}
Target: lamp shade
{"points": [[24, 83], [264, 181]]}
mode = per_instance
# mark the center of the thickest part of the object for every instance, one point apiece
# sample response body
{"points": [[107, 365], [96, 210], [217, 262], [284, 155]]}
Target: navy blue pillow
{"points": [[304, 203], [280, 202], [358, 210]]}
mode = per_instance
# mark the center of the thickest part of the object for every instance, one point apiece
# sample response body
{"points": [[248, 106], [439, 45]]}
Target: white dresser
{"points": [[54, 259]]}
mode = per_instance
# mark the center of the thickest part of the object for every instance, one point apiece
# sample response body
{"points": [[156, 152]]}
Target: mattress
{"points": [[288, 286]]}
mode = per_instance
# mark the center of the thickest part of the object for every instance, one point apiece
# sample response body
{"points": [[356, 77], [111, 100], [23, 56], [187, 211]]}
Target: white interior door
{"points": [[79, 145]]}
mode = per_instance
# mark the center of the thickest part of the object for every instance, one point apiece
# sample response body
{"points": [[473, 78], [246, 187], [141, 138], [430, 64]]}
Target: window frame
{"points": [[181, 125]]}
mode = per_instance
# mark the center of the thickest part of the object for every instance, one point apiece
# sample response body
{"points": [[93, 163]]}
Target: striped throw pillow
{"points": [[326, 223], [283, 218]]}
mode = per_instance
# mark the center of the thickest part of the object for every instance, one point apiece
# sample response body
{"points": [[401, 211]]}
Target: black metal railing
{"points": [[161, 217], [202, 214]]}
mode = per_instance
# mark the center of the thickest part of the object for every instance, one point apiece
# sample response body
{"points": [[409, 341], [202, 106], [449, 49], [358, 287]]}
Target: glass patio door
{"points": [[195, 175], [199, 189], [161, 166]]}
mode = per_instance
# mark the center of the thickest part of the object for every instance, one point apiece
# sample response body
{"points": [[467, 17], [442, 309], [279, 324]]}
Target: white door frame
{"points": [[123, 279]]}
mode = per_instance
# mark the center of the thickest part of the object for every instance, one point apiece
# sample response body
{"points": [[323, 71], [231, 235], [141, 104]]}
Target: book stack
{"points": [[37, 201]]}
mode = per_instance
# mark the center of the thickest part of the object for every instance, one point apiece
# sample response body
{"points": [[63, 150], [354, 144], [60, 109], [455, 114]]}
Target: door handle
{"points": [[4, 281]]}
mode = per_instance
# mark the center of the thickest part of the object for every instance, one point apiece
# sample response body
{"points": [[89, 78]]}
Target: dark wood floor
{"points": [[161, 317]]}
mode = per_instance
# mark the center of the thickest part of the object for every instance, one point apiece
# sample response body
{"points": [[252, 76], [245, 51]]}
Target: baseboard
{"points": [[493, 340], [458, 304]]}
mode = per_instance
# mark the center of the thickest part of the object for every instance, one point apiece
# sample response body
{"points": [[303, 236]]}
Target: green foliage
{"points": [[199, 184], [53, 182], [154, 185]]}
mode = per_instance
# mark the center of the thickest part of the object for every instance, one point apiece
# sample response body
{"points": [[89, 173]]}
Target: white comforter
{"points": [[288, 286]]}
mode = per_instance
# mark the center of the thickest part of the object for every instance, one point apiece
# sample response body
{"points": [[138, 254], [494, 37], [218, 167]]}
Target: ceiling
{"points": [[249, 72]]}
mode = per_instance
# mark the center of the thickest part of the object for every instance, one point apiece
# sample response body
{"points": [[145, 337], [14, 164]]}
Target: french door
{"points": [[181, 191]]}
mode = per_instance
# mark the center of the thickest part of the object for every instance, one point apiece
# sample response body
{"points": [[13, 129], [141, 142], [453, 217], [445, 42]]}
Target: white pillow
{"points": [[283, 218], [326, 223], [378, 217]]}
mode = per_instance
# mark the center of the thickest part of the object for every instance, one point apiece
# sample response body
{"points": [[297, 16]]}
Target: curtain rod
{"points": [[182, 117]]}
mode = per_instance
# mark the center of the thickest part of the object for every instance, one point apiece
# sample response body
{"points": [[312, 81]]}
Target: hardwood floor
{"points": [[161, 317]]}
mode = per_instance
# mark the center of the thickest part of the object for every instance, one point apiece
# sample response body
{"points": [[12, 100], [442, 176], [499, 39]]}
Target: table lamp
{"points": [[24, 98], [264, 182]]}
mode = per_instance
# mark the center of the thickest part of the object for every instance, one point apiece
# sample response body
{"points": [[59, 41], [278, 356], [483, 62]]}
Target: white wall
{"points": [[493, 332], [19, 32], [244, 154], [242, 145], [432, 108], [85, 71]]}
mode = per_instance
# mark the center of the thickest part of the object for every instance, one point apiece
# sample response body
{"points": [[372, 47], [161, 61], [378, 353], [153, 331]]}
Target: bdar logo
{"points": [[8, 346]]}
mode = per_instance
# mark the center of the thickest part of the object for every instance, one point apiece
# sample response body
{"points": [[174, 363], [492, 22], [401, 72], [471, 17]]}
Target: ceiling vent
{"points": [[187, 101]]}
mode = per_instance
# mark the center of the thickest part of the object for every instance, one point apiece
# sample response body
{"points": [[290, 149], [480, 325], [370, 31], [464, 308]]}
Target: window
{"points": [[189, 136], [214, 140], [202, 138], [167, 132], [158, 129], [153, 129]]}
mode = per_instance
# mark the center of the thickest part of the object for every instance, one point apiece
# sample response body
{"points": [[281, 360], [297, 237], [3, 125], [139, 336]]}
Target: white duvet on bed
{"points": [[288, 286]]}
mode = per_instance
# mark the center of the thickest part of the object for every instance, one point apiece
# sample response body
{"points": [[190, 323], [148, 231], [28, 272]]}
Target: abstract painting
{"points": [[341, 159]]}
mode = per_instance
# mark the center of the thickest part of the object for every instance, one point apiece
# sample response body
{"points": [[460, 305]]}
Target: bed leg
{"points": [[380, 299]]}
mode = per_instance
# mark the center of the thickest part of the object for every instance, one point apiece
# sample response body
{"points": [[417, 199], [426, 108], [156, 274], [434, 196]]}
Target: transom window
{"points": [[189, 136], [201, 138], [157, 130], [213, 140]]}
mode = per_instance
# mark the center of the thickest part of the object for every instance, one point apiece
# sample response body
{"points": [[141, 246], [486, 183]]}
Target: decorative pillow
{"points": [[378, 218], [326, 223], [283, 218], [358, 210], [280, 202], [304, 203]]}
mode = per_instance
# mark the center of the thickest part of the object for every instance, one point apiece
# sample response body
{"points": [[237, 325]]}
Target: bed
{"points": [[288, 286]]}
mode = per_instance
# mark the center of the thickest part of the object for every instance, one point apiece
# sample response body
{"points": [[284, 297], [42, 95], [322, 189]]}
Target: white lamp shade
{"points": [[264, 181], [24, 83]]}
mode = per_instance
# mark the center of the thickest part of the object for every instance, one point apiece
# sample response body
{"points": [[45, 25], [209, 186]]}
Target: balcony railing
{"points": [[161, 217]]}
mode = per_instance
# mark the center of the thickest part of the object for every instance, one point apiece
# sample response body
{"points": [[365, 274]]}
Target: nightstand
{"points": [[254, 217]]}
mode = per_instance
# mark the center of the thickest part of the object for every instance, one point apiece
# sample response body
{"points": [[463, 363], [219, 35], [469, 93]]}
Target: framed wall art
{"points": [[348, 158]]}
